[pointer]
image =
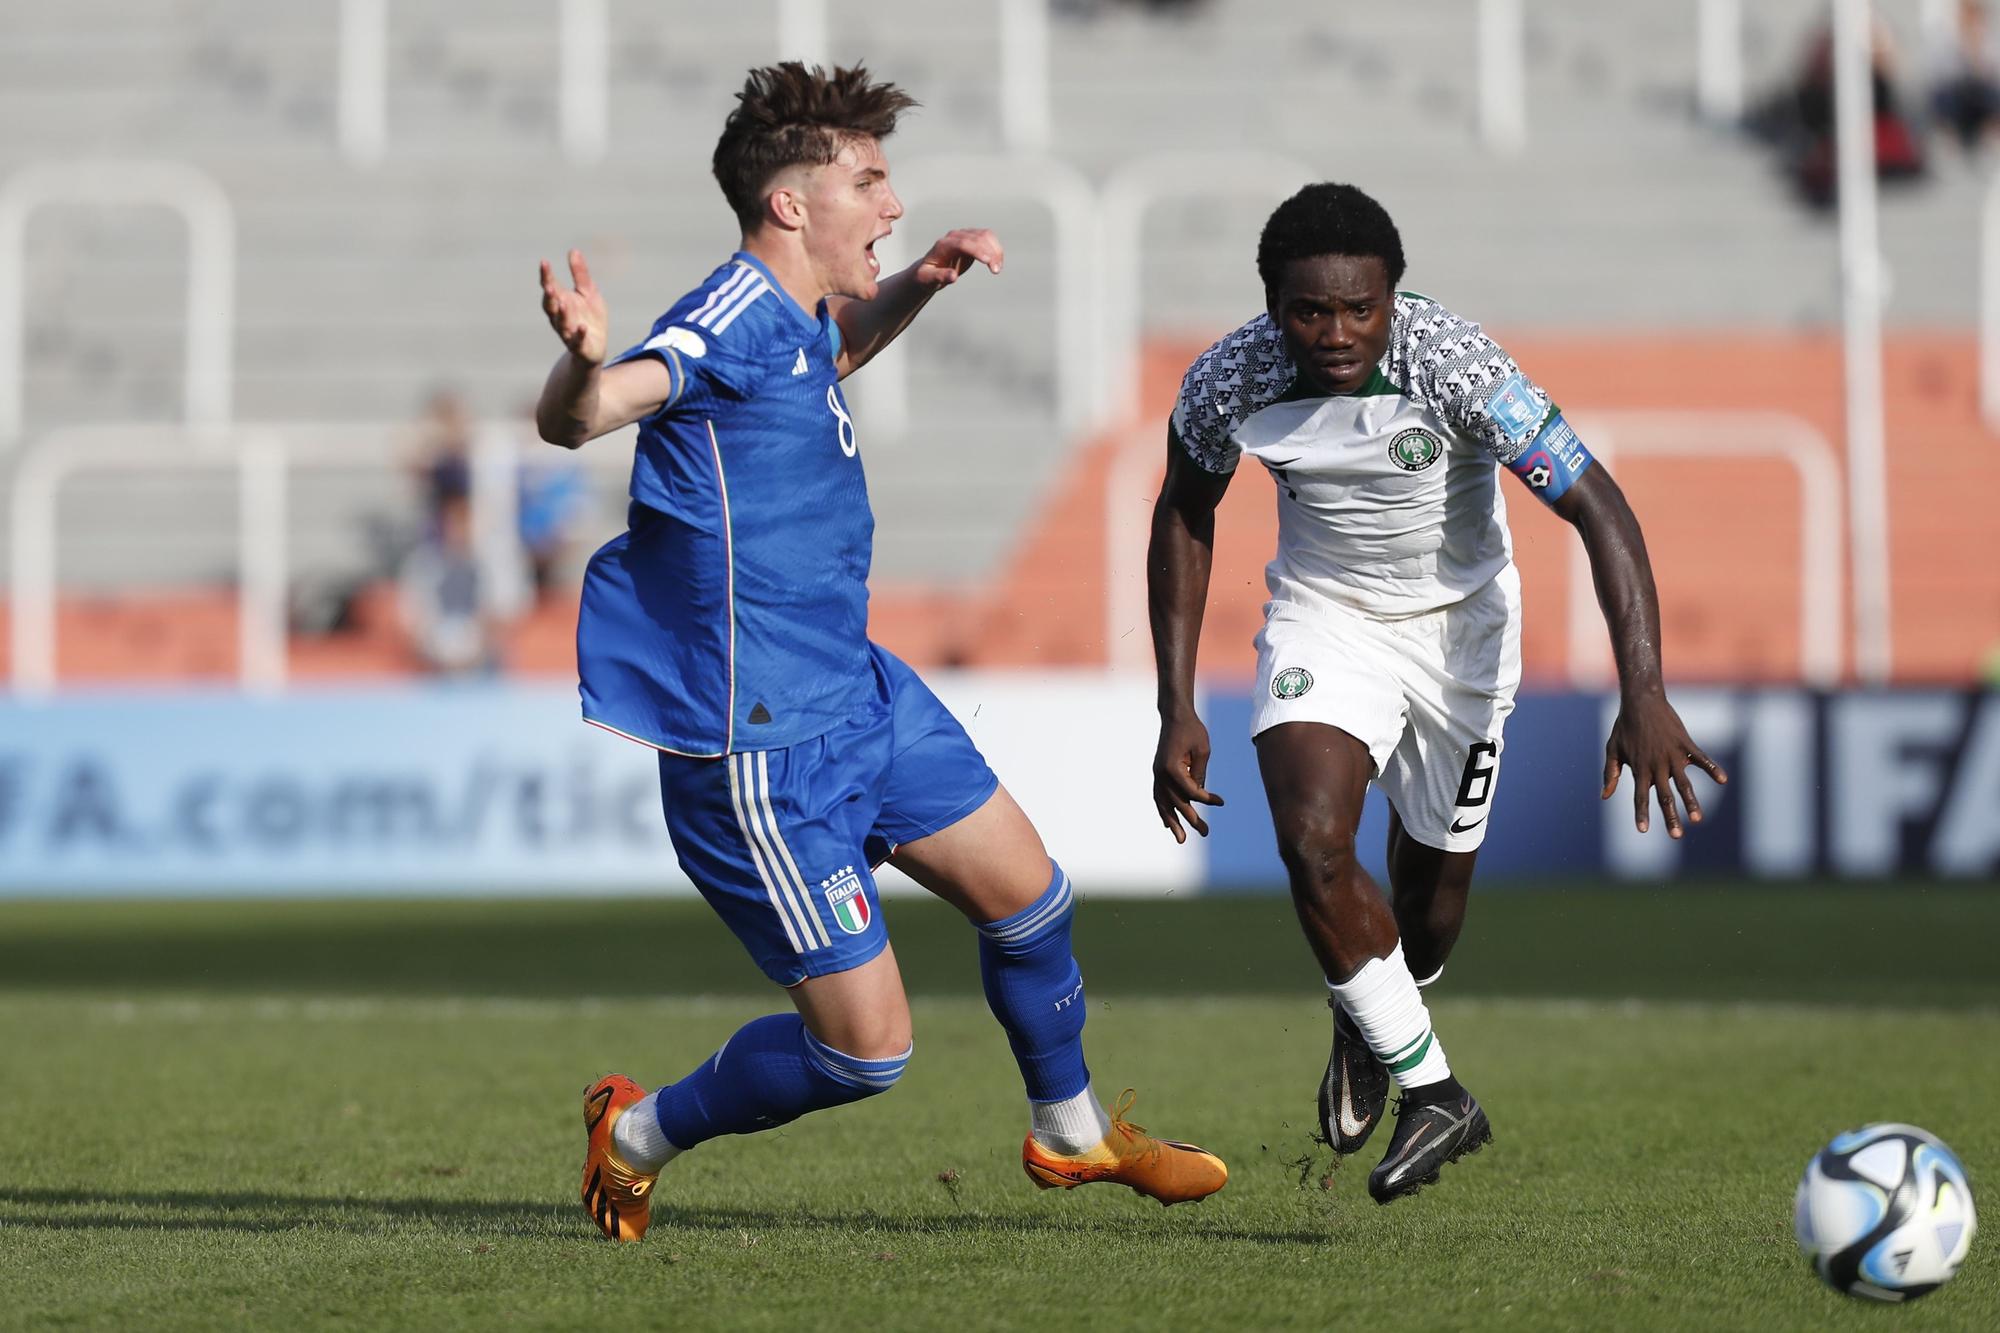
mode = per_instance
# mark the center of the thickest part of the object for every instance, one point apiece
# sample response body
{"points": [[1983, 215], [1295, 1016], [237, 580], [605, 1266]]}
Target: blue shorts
{"points": [[784, 843]]}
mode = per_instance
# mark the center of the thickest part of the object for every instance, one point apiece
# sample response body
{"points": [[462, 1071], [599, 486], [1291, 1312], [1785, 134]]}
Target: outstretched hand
{"points": [[955, 252], [1180, 776], [1649, 739], [578, 316]]}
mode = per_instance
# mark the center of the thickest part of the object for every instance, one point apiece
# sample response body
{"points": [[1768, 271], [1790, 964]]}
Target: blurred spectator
{"points": [[1965, 78], [552, 498], [444, 462], [1799, 119], [454, 618]]}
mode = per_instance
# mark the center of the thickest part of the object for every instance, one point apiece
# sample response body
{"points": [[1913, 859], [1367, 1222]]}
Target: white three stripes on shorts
{"points": [[750, 793]]}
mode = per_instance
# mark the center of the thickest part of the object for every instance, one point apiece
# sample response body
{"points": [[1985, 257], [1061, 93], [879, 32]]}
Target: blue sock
{"points": [[1035, 989], [771, 1072]]}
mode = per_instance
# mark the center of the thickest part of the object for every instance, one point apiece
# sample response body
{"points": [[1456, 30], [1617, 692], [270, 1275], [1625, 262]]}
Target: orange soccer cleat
{"points": [[1158, 1168], [618, 1198]]}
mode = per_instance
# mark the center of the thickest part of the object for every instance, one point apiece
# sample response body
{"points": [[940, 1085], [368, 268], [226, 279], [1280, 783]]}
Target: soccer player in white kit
{"points": [[1391, 643]]}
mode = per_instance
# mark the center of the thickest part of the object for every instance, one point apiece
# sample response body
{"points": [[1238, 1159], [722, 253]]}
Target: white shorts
{"points": [[1427, 694]]}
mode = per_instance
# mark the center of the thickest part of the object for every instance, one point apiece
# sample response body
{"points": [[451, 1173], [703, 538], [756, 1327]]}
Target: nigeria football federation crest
{"points": [[1415, 449], [1291, 683], [844, 895]]}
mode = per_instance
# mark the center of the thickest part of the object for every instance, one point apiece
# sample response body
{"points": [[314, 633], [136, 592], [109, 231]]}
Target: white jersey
{"points": [[1388, 498]]}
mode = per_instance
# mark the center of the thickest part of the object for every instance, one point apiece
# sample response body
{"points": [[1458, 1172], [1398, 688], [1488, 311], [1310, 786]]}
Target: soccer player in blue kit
{"points": [[727, 629]]}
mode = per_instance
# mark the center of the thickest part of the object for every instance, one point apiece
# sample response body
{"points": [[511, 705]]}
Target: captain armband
{"points": [[1553, 460]]}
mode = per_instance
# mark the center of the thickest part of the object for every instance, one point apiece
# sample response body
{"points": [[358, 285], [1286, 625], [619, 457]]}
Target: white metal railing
{"points": [[1073, 210], [1989, 307], [1130, 193], [1861, 341], [207, 380], [263, 458], [583, 87], [1024, 75], [801, 32], [1503, 78], [362, 116], [1613, 435], [1133, 481], [1718, 60], [583, 45]]}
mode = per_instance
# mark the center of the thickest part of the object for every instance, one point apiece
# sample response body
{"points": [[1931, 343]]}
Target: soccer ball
{"points": [[1884, 1212], [1539, 476]]}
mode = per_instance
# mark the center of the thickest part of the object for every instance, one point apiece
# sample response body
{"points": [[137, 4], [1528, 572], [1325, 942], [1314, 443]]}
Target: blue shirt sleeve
{"points": [[705, 368]]}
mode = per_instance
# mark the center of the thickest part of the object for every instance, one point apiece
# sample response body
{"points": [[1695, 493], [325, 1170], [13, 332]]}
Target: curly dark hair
{"points": [[1328, 219], [792, 115]]}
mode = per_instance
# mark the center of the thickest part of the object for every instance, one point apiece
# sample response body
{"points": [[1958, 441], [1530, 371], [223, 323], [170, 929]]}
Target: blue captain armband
{"points": [[1553, 460]]}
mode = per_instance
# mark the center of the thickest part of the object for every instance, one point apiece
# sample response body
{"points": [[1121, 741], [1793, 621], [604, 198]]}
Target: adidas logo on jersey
{"points": [[799, 366]]}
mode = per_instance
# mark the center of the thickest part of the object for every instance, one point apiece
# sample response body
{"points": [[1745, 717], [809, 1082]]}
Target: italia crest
{"points": [[849, 903], [1415, 449]]}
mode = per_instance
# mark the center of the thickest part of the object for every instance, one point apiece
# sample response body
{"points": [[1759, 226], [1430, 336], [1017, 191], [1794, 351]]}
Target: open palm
{"points": [[577, 315]]}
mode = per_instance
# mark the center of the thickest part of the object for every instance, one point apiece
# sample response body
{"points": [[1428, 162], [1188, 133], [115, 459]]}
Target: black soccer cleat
{"points": [[1428, 1135], [1354, 1090]]}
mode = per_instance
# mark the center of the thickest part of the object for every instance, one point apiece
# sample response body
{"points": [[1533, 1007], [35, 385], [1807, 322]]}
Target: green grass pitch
{"points": [[365, 1115]]}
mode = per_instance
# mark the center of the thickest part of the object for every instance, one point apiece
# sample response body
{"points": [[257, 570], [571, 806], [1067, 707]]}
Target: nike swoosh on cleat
{"points": [[1459, 826], [1455, 1125], [1350, 1123], [1415, 1139]]}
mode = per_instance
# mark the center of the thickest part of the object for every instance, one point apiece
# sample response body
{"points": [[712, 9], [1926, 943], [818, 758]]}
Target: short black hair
{"points": [[792, 114], [1328, 219]]}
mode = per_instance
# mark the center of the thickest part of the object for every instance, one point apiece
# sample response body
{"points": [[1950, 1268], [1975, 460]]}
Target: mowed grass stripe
{"points": [[205, 1008], [1909, 945], [410, 1162]]}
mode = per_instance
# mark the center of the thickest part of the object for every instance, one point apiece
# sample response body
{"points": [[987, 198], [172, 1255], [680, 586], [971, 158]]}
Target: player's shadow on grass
{"points": [[264, 1213], [200, 1210]]}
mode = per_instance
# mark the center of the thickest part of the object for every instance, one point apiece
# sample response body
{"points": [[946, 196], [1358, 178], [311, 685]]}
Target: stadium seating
{"points": [[361, 287]]}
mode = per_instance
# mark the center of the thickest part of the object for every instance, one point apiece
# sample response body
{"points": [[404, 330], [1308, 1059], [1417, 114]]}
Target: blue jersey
{"points": [[733, 614]]}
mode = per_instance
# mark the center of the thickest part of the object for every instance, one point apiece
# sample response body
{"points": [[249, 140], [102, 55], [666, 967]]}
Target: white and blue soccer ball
{"points": [[1885, 1212]]}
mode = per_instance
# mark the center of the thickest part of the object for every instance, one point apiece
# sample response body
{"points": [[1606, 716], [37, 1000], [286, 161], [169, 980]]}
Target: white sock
{"points": [[1425, 981], [638, 1138], [1382, 1000], [1071, 1127]]}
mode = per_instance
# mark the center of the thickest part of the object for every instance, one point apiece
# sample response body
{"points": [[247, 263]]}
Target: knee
{"points": [[882, 1034], [864, 1074], [1318, 854]]}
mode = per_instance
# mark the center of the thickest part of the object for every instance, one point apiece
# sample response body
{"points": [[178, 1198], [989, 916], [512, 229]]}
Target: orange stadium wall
{"points": [[1724, 534]]}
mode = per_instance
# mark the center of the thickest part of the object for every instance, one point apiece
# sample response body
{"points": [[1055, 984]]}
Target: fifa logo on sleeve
{"points": [[1514, 407]]}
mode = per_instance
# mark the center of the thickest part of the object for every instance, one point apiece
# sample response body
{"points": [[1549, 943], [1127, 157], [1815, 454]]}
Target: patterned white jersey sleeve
{"points": [[1243, 373], [1449, 365]]}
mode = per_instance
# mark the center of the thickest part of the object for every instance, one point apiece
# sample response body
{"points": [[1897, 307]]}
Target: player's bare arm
{"points": [[866, 327], [583, 398], [1648, 736], [1178, 560]]}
